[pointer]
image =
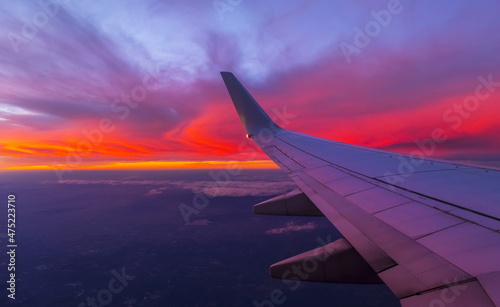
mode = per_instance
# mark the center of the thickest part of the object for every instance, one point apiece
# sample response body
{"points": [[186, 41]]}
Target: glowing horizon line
{"points": [[264, 164]]}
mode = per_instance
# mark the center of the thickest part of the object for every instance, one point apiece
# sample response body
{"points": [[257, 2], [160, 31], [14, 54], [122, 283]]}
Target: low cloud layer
{"points": [[235, 188], [292, 227]]}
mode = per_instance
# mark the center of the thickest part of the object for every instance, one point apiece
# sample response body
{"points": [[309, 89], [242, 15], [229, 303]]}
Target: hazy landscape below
{"points": [[72, 234]]}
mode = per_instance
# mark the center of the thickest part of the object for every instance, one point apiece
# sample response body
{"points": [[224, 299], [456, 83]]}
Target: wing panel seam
{"points": [[396, 186]]}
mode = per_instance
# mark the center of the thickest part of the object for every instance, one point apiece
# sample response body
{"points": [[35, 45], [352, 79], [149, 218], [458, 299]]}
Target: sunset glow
{"points": [[114, 85], [230, 165]]}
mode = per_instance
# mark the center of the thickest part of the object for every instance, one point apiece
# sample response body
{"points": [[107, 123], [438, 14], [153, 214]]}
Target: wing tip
{"points": [[251, 114]]}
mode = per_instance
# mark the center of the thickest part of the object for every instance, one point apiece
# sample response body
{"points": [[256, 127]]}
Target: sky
{"points": [[136, 84]]}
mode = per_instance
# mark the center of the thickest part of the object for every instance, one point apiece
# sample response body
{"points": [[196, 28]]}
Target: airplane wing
{"points": [[428, 229]]}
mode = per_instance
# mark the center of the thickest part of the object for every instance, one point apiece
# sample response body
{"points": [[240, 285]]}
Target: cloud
{"points": [[155, 191], [243, 188], [236, 188], [292, 227]]}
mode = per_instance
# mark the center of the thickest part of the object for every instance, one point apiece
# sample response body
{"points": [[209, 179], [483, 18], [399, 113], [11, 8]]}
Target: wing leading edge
{"points": [[429, 229]]}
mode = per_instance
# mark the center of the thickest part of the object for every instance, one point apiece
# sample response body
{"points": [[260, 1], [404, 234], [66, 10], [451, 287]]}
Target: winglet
{"points": [[251, 114]]}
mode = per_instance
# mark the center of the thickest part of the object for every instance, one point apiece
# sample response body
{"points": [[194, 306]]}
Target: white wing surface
{"points": [[428, 229]]}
